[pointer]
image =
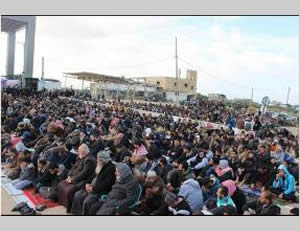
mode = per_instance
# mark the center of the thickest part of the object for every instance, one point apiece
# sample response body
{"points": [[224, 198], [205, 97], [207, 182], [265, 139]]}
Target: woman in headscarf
{"points": [[224, 171], [236, 194]]}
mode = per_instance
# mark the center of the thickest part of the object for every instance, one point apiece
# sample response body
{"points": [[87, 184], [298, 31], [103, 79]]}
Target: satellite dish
{"points": [[265, 100]]}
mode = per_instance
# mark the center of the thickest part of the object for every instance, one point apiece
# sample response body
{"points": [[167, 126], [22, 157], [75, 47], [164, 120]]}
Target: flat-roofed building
{"points": [[175, 89]]}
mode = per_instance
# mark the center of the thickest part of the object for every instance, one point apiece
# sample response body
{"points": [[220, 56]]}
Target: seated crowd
{"points": [[211, 111], [112, 160]]}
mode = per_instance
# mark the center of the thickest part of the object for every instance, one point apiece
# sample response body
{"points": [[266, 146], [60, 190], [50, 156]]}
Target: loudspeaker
{"points": [[31, 83]]}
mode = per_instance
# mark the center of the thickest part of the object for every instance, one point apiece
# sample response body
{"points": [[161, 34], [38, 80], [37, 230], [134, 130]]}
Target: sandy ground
{"points": [[7, 203]]}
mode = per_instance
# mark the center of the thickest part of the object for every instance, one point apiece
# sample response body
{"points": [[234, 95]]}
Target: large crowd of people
{"points": [[112, 160], [234, 115]]}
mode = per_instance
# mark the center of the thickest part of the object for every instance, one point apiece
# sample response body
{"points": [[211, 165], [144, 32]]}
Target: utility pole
{"points": [[42, 68], [288, 96], [176, 65], [252, 94], [82, 84], [65, 80]]}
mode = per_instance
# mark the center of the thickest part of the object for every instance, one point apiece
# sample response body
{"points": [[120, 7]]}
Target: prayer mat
{"points": [[37, 199]]}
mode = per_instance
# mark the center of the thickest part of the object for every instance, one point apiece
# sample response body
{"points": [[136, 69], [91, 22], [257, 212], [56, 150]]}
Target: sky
{"points": [[232, 54]]}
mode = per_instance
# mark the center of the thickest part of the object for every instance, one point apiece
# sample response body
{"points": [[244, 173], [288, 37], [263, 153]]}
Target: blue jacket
{"points": [[285, 157], [192, 194], [287, 184], [232, 123]]}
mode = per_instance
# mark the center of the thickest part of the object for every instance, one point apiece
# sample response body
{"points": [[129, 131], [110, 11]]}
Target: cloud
{"points": [[220, 19], [228, 59], [238, 62]]}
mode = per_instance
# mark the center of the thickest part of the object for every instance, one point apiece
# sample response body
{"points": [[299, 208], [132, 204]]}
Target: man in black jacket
{"points": [[257, 124], [272, 172], [100, 185], [263, 206], [81, 173], [120, 153], [263, 160], [96, 143], [44, 178]]}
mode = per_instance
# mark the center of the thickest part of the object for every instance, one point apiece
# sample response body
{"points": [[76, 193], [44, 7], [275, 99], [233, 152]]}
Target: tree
{"points": [[201, 97]]}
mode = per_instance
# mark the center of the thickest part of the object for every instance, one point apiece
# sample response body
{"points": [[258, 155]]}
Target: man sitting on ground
{"points": [[101, 184], [284, 184], [177, 205], [124, 194], [264, 206], [27, 175], [81, 173]]}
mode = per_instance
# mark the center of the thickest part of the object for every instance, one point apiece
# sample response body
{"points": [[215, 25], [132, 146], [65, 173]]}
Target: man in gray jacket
{"points": [[124, 192], [191, 191], [27, 175]]}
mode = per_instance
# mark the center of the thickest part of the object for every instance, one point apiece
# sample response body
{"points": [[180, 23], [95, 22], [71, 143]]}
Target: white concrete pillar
{"points": [[29, 48], [10, 55]]}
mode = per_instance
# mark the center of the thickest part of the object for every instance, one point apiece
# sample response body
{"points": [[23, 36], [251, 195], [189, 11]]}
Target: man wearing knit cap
{"points": [[124, 193], [100, 185], [122, 172]]}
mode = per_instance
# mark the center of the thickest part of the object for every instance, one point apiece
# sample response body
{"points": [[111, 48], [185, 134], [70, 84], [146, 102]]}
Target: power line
{"points": [[211, 75], [228, 81], [145, 64]]}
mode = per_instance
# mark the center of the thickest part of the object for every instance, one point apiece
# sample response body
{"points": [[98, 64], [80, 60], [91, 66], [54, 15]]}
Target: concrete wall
{"points": [[112, 89], [49, 85], [172, 96]]}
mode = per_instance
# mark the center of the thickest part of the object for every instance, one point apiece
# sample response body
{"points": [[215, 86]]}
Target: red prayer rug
{"points": [[37, 199]]}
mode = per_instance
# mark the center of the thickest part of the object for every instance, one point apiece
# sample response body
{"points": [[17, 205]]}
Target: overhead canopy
{"points": [[10, 23], [93, 77], [97, 77]]}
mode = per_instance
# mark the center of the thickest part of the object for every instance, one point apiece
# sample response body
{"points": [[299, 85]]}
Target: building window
{"points": [[175, 84], [158, 83], [186, 85], [192, 87]]}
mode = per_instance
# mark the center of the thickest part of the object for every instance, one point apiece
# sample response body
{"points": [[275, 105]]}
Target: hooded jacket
{"points": [[192, 194], [287, 184], [123, 194]]}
